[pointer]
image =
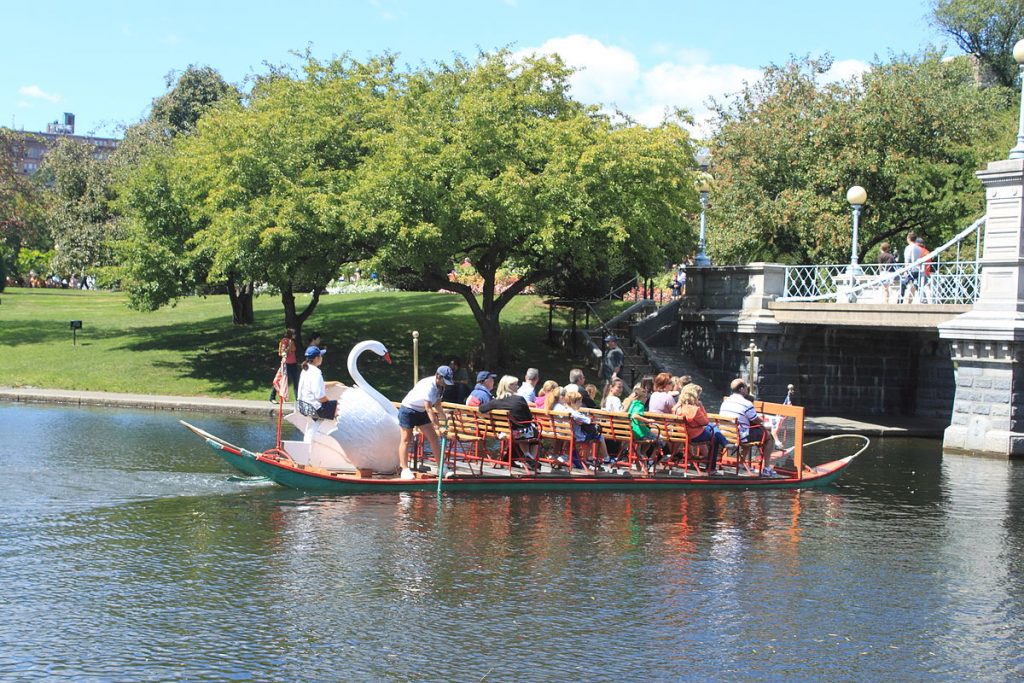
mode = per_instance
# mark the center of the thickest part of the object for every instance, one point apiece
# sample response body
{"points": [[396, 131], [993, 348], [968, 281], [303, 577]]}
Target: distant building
{"points": [[34, 146]]}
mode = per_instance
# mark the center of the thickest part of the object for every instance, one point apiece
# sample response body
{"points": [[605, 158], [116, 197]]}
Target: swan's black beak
{"points": [[387, 358]]}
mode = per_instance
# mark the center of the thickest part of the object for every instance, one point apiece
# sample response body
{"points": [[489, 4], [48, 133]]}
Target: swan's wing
{"points": [[299, 421], [368, 435], [335, 390]]}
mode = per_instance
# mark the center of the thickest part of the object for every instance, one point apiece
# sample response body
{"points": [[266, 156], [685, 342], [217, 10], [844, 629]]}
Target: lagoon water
{"points": [[128, 552]]}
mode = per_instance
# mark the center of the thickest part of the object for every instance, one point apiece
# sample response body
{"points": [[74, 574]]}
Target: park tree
{"points": [[22, 222], [189, 95], [155, 265], [912, 131], [257, 192], [493, 161], [985, 29], [78, 198]]}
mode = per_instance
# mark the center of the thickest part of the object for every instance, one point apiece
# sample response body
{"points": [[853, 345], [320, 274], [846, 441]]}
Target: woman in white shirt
{"points": [[613, 396], [312, 390]]}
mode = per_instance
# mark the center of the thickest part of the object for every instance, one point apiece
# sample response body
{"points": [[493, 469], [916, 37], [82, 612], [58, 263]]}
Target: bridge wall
{"points": [[846, 370]]}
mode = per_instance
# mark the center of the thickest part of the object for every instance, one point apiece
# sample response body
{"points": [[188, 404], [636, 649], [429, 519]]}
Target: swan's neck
{"points": [[357, 377]]}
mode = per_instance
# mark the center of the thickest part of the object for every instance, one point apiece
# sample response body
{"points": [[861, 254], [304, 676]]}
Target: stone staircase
{"points": [[649, 336]]}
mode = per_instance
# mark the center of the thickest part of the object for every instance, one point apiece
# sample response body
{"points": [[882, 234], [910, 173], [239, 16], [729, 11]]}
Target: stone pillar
{"points": [[987, 343], [725, 308]]}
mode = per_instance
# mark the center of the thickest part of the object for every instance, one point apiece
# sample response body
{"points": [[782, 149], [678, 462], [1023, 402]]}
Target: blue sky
{"points": [[106, 60]]}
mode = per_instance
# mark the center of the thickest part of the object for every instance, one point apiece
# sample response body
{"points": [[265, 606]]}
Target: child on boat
{"points": [[644, 433], [584, 430]]}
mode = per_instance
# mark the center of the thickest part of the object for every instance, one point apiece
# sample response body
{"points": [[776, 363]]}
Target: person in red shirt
{"points": [[286, 351]]}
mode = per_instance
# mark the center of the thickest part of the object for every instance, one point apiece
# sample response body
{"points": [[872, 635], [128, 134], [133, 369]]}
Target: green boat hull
{"points": [[342, 483]]}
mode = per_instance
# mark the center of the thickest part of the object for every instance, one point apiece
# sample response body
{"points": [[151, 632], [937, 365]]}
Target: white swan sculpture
{"points": [[365, 434], [367, 421]]}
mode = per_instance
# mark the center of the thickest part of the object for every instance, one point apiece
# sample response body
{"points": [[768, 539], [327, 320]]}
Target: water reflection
{"points": [[137, 558]]}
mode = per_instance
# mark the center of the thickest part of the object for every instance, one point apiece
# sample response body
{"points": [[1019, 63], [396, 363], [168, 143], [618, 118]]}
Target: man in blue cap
{"points": [[484, 389], [613, 359], [419, 409]]}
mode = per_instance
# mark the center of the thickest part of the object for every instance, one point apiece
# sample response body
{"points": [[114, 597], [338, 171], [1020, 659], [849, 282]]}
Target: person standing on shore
{"points": [[887, 264], [286, 350], [314, 343], [614, 357]]}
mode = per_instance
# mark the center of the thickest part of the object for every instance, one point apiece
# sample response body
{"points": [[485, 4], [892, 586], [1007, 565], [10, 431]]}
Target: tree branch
{"points": [[518, 286], [458, 288]]}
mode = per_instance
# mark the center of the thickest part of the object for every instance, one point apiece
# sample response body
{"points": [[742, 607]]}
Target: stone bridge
{"points": [[959, 362]]}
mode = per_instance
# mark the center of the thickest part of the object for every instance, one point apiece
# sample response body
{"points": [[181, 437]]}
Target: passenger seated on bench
{"points": [[550, 388], [698, 428], [748, 422], [612, 401], [661, 400], [583, 428], [646, 434], [524, 429]]}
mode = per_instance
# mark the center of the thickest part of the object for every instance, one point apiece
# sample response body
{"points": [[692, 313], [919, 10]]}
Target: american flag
{"points": [[281, 382]]}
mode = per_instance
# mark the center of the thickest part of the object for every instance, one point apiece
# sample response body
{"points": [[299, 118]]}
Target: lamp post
{"points": [[857, 196], [1018, 56], [703, 187]]}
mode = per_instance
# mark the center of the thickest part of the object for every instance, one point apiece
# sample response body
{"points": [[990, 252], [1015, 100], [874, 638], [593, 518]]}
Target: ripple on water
{"points": [[153, 566]]}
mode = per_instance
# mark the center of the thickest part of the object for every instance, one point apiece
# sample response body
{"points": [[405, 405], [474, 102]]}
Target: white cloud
{"points": [[170, 39], [604, 74], [35, 92], [670, 84], [845, 70], [613, 77], [387, 13]]}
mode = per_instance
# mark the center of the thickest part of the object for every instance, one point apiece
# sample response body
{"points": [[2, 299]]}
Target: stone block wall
{"points": [[853, 371], [990, 394], [836, 370]]}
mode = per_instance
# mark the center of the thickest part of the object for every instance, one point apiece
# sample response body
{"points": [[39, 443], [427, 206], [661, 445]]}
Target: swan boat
{"points": [[363, 436], [324, 461]]}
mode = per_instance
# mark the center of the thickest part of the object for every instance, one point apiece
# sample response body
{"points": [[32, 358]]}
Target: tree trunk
{"points": [[494, 355], [294, 318], [241, 302]]}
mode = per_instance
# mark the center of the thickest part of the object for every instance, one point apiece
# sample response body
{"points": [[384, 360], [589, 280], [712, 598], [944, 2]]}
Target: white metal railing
{"points": [[955, 281]]}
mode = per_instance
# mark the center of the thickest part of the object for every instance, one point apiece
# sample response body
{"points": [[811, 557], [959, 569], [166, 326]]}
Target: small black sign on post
{"points": [[75, 326]]}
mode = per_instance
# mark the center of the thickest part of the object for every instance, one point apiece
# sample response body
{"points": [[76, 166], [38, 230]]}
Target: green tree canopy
{"points": [[190, 95], [912, 131], [493, 161], [257, 192], [986, 29], [22, 219], [78, 197]]}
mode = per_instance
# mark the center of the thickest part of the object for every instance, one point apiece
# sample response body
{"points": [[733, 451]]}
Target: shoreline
{"points": [[819, 425], [192, 404]]}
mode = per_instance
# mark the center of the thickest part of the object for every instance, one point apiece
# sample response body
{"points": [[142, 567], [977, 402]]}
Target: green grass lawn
{"points": [[192, 349]]}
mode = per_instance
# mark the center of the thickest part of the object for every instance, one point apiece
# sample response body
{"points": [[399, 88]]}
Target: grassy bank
{"points": [[193, 349]]}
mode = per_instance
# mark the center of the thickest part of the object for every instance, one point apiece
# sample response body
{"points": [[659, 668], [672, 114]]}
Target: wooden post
{"points": [[415, 356]]}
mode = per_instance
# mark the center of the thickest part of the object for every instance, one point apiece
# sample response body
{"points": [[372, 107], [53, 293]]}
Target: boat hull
{"points": [[237, 460], [296, 477]]}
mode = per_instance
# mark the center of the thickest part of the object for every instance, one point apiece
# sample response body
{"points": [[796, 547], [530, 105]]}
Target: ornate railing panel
{"points": [[945, 282]]}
